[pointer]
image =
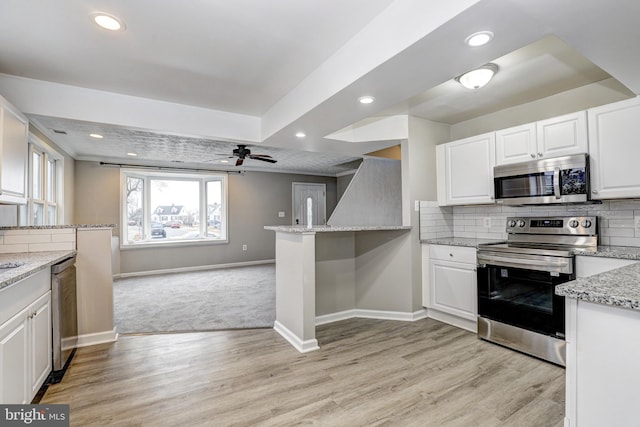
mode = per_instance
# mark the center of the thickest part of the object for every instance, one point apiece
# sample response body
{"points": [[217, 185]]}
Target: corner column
{"points": [[295, 289]]}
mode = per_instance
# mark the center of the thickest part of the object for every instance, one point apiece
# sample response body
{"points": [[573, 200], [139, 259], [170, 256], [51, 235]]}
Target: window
{"points": [[161, 208], [45, 166]]}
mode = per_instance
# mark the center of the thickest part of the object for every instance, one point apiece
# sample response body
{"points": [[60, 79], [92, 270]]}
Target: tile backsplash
{"points": [[616, 220], [37, 240]]}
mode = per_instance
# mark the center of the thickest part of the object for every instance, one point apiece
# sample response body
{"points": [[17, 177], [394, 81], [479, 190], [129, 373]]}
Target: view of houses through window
{"points": [[173, 207]]}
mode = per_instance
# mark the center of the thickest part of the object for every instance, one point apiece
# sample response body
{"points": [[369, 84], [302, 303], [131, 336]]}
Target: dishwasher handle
{"points": [[63, 265]]}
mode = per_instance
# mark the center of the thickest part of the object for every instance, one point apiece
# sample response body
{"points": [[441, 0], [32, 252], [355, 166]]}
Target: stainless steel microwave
{"points": [[555, 180]]}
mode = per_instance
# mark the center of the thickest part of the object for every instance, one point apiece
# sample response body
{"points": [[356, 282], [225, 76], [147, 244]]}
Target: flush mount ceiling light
{"points": [[224, 161], [131, 154], [479, 77], [479, 39], [108, 22], [300, 135], [367, 99], [96, 135]]}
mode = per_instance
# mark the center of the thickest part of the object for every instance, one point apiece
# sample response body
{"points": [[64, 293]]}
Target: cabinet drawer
{"points": [[453, 253]]}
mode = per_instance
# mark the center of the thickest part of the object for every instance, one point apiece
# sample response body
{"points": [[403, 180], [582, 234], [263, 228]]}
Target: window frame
{"points": [[47, 154], [149, 175]]}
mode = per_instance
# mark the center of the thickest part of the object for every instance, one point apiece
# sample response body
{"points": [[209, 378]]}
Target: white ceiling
{"points": [[260, 71]]}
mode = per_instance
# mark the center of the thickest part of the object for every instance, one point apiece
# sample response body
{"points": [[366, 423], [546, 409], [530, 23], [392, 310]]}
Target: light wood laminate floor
{"points": [[367, 372]]}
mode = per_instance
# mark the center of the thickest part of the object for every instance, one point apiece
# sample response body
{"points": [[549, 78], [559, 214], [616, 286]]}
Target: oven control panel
{"points": [[574, 225]]}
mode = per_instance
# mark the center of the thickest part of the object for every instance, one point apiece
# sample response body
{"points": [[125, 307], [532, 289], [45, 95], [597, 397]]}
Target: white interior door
{"points": [[301, 191]]}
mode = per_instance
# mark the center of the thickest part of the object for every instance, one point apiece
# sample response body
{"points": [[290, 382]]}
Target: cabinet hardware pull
{"points": [[539, 154], [594, 191], [533, 156]]}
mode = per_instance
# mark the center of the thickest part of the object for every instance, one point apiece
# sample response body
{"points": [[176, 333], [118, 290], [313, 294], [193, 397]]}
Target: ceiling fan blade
{"points": [[239, 162], [261, 155], [264, 159]]}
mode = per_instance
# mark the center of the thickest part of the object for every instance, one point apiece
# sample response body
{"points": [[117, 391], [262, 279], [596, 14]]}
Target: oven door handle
{"points": [[556, 182], [562, 265]]}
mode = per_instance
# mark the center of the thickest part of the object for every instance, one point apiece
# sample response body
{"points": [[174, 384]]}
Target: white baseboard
{"points": [[97, 338], [294, 340], [371, 314], [190, 269], [452, 320]]}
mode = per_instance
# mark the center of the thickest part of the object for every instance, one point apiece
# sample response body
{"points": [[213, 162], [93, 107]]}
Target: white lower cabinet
{"points": [[452, 285], [25, 342]]}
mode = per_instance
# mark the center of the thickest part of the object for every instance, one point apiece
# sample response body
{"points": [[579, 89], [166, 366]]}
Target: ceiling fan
{"points": [[242, 153]]}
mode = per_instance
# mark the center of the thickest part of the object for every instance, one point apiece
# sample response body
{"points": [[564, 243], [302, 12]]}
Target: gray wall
{"points": [[254, 201], [373, 197]]}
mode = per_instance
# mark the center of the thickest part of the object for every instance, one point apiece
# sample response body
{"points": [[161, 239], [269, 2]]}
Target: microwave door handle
{"points": [[556, 182]]}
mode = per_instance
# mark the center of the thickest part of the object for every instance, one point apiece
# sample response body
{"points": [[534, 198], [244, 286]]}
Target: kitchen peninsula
{"points": [[603, 341], [337, 273]]}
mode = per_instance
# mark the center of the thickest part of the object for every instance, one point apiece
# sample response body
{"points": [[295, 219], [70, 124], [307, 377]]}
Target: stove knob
{"points": [[574, 223], [586, 223], [511, 223], [521, 223]]}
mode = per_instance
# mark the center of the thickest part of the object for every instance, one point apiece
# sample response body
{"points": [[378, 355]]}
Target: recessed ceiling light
{"points": [[479, 39], [300, 134], [224, 161], [479, 77], [131, 154], [108, 22], [367, 99], [96, 135]]}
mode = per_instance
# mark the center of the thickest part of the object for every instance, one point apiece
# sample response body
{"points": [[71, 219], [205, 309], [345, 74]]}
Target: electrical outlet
{"points": [[486, 222], [244, 247], [281, 214], [417, 206]]}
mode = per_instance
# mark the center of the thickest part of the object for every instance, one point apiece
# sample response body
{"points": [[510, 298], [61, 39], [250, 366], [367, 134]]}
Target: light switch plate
{"points": [[417, 206], [637, 226], [281, 214]]}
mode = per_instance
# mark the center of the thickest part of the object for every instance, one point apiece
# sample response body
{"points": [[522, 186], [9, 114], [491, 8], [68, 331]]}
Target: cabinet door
{"points": [[614, 150], [562, 135], [14, 143], [14, 360], [516, 144], [453, 288], [40, 341], [469, 170]]}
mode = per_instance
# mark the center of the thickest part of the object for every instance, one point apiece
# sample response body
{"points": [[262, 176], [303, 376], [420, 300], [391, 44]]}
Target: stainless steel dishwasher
{"points": [[64, 312]]}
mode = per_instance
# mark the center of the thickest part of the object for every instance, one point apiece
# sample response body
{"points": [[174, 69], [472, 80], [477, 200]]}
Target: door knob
{"points": [[539, 154]]}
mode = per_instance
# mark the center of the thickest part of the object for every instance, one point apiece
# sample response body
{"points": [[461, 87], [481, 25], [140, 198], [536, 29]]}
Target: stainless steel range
{"points": [[517, 305]]}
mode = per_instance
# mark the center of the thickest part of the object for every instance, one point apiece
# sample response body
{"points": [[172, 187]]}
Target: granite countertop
{"points": [[619, 252], [33, 262], [619, 287], [328, 229], [460, 241]]}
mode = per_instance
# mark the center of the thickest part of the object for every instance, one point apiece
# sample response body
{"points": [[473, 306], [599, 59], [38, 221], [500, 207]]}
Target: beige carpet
{"points": [[230, 298]]}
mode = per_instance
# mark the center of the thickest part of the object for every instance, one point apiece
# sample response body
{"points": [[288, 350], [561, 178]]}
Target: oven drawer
{"points": [[453, 253]]}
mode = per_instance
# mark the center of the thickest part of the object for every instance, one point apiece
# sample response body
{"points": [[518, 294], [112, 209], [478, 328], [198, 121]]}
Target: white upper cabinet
{"points": [[562, 135], [555, 137], [614, 150], [516, 144], [14, 128], [465, 170]]}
